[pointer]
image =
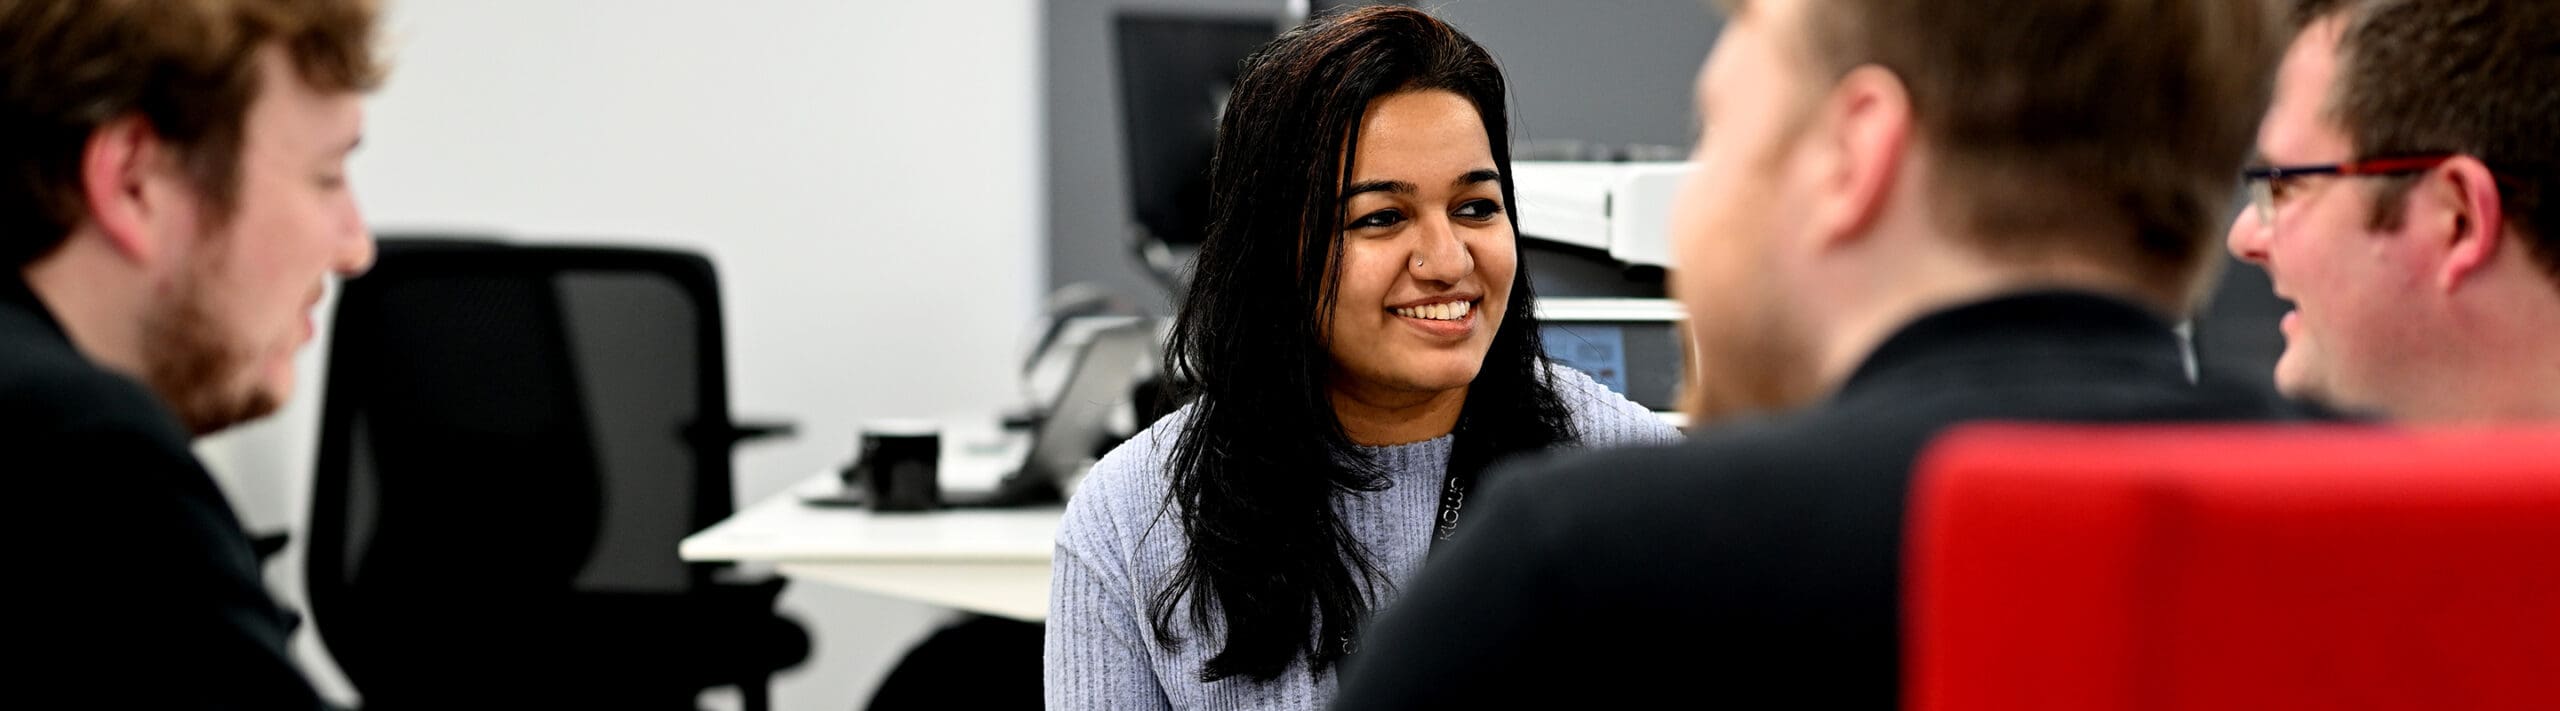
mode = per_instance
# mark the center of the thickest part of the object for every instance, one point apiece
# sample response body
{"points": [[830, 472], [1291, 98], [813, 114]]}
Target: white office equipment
{"points": [[1622, 209], [1636, 347]]}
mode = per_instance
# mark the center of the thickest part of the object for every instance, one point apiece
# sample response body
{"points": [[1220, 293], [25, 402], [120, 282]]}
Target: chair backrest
{"points": [[504, 430], [2160, 567]]}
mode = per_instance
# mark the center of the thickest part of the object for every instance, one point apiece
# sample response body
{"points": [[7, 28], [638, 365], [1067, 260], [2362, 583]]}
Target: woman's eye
{"points": [[1480, 209], [1381, 218]]}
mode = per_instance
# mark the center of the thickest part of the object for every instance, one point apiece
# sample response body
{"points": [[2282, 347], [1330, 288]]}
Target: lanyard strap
{"points": [[1453, 500]]}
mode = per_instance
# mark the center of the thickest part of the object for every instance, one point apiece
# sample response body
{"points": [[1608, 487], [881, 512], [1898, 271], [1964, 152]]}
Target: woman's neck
{"points": [[1378, 417]]}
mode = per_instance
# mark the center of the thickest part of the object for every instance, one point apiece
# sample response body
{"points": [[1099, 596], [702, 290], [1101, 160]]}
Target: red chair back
{"points": [[2239, 567]]}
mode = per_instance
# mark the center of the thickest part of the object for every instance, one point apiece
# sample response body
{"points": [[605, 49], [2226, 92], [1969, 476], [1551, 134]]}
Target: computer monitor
{"points": [[1635, 347], [1063, 443], [1176, 70]]}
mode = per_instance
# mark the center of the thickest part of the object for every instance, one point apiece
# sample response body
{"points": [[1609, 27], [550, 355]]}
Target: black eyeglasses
{"points": [[2268, 184]]}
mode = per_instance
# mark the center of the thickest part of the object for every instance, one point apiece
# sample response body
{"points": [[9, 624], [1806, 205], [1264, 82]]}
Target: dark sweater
{"points": [[134, 584], [1758, 565]]}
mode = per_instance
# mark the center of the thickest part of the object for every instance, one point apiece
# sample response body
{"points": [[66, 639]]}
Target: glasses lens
{"points": [[2262, 200]]}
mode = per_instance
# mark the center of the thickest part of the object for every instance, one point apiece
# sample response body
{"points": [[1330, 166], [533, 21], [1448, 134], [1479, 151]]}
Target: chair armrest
{"points": [[753, 430], [732, 434], [267, 545]]}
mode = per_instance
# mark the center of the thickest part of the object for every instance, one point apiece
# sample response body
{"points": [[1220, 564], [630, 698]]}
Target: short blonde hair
{"points": [[2111, 130]]}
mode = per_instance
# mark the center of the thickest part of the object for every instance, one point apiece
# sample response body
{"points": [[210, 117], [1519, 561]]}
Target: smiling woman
{"points": [[1359, 344], [1424, 269]]}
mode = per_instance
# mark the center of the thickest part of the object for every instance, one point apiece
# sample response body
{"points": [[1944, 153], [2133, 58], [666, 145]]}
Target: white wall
{"points": [[864, 174]]}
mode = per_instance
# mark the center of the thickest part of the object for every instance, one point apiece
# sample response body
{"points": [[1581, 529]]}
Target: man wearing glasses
{"points": [[2399, 205]]}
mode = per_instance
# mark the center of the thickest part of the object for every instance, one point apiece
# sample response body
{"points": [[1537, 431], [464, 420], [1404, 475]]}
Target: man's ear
{"points": [[1862, 130], [2458, 203], [116, 167]]}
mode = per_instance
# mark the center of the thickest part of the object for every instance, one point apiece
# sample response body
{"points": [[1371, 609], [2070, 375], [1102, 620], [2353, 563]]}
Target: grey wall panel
{"points": [[1609, 72]]}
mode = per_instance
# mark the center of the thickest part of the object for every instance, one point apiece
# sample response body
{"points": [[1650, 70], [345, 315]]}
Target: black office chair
{"points": [[513, 440]]}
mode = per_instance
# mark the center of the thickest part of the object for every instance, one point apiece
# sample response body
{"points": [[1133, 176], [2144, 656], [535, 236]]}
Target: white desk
{"points": [[994, 561]]}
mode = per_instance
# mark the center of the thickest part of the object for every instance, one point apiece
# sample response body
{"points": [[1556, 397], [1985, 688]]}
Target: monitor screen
{"points": [[1598, 350], [1637, 359], [1176, 70]]}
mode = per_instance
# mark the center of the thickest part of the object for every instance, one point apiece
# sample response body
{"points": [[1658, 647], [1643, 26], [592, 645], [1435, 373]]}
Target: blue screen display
{"points": [[1597, 350]]}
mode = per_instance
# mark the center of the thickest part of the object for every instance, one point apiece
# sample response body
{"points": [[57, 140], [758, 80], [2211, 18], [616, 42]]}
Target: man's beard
{"points": [[188, 363]]}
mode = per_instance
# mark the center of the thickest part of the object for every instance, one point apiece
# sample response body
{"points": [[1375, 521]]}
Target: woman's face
{"points": [[1427, 251]]}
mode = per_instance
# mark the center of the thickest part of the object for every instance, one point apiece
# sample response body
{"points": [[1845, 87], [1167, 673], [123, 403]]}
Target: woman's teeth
{"points": [[1446, 311]]}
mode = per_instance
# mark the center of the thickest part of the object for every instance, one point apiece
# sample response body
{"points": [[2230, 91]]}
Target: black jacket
{"points": [[1756, 565], [133, 585]]}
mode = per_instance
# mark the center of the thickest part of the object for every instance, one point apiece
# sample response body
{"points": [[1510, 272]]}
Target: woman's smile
{"points": [[1450, 319]]}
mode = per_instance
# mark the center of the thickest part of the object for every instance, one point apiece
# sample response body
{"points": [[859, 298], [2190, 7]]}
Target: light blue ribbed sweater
{"points": [[1114, 552]]}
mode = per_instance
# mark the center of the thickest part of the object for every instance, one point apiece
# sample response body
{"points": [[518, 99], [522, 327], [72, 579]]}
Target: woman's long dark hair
{"points": [[1256, 468]]}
